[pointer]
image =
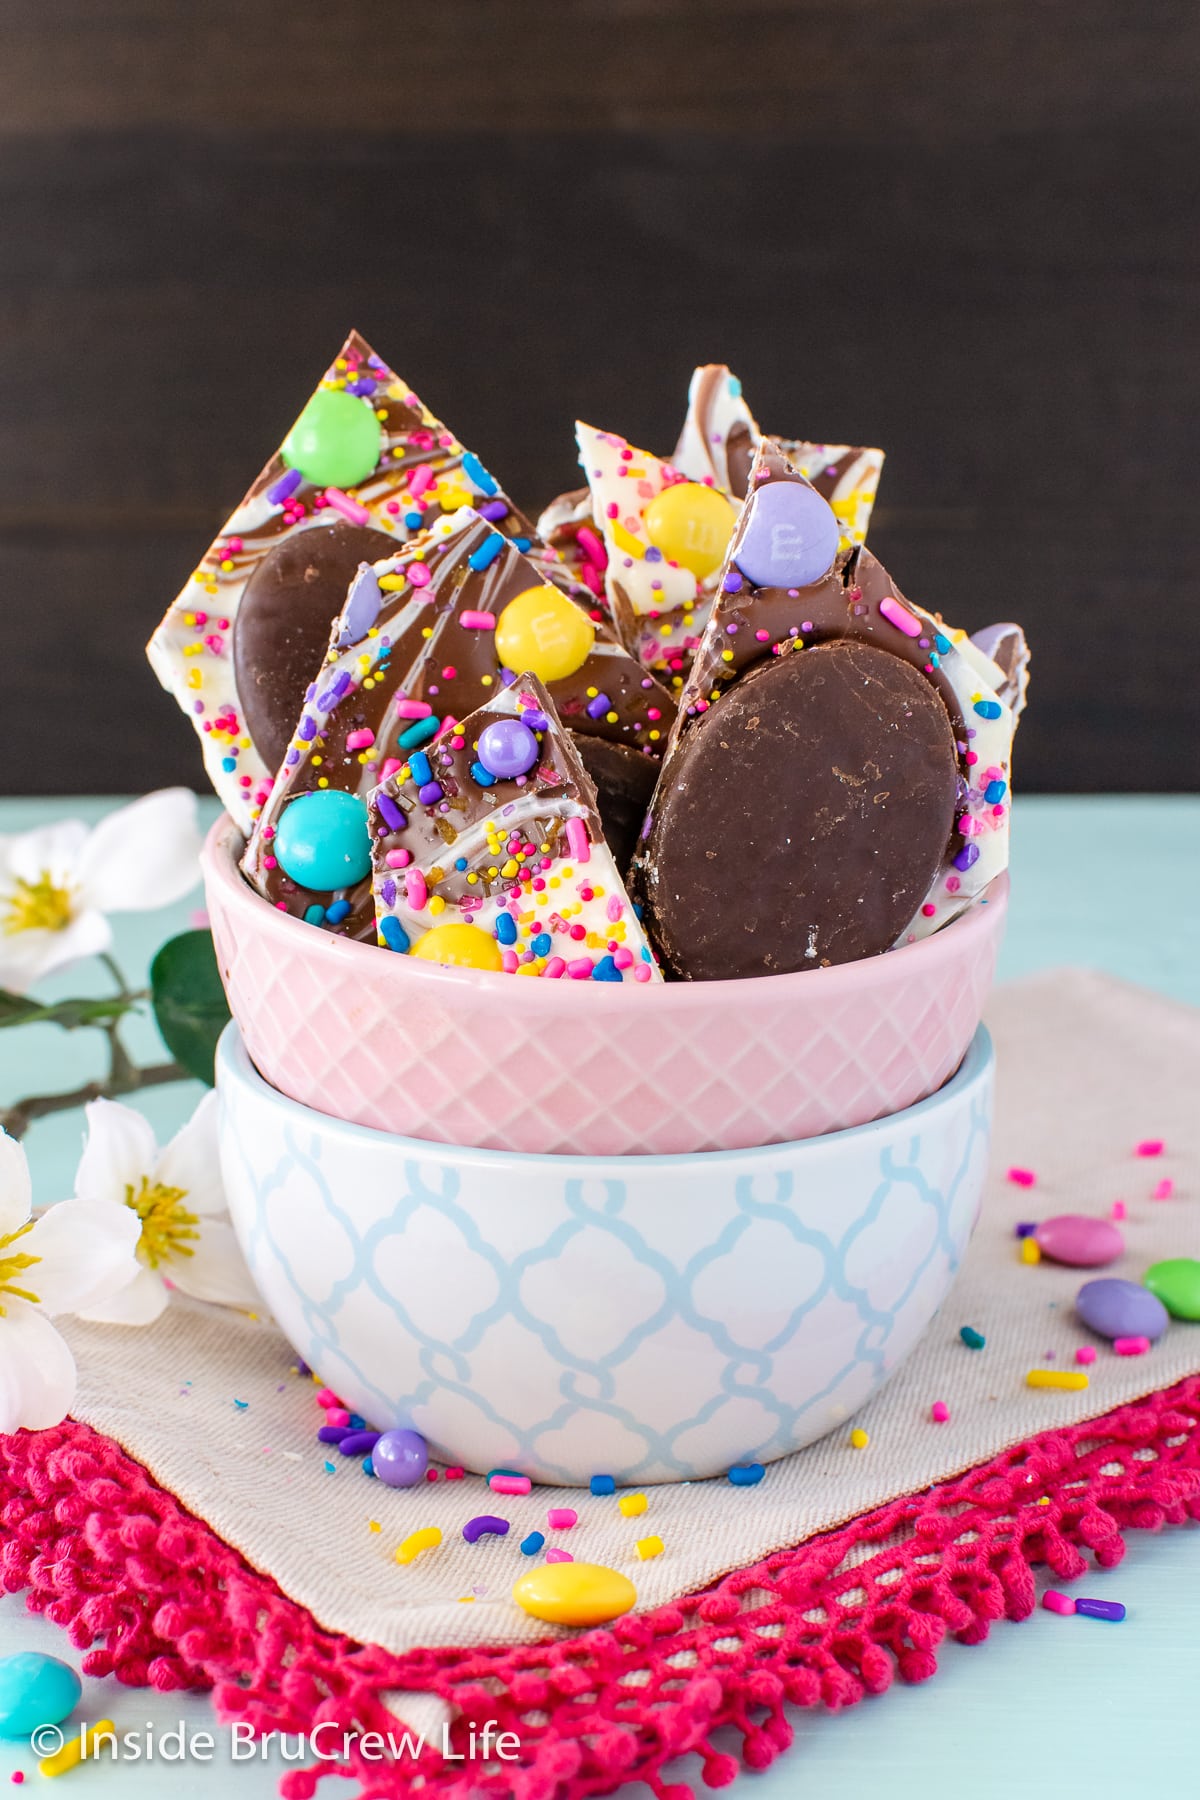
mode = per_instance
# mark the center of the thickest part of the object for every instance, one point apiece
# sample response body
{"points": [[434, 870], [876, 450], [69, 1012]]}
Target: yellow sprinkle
{"points": [[323, 782], [632, 1504], [1030, 1250], [486, 680], [82, 1748], [391, 583], [859, 1438], [1074, 1379], [437, 905], [648, 1547], [509, 869], [374, 1525], [427, 1538]]}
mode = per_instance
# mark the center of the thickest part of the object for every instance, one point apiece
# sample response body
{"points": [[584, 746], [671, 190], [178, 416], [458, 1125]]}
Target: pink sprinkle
{"points": [[1164, 1189], [350, 509], [623, 957], [419, 575], [327, 1397], [1150, 1147], [554, 968], [1021, 1177], [360, 740], [390, 765], [510, 1484], [580, 968], [508, 961], [561, 1518], [641, 972], [398, 859], [900, 617], [420, 479], [431, 1474], [555, 1555], [414, 887], [412, 709], [928, 910], [939, 1412], [1055, 1602], [1131, 1346], [454, 1474], [477, 621], [1118, 1210], [337, 1415], [615, 907], [578, 841], [1086, 1353]]}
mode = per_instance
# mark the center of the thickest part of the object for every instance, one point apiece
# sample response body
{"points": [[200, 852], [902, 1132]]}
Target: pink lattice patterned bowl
{"points": [[464, 1057]]}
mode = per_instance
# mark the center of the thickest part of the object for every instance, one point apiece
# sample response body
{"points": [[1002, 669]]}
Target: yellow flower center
{"points": [[168, 1229], [16, 1264], [39, 905]]}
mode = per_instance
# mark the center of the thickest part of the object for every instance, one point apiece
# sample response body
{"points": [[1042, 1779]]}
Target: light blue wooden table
{"points": [[1105, 1713]]}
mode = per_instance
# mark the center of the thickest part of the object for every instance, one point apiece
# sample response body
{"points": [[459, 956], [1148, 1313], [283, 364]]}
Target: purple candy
{"points": [[968, 855], [287, 484], [390, 813], [332, 1434], [358, 1443], [400, 1458], [1113, 1308], [507, 748], [791, 536], [430, 792], [597, 708], [482, 1524], [362, 605]]}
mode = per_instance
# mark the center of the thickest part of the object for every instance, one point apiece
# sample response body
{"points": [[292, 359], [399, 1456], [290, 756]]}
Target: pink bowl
{"points": [[553, 1068]]}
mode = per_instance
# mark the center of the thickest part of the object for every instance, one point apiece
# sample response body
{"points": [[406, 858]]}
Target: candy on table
{"points": [[746, 1474], [974, 1340], [427, 1538], [1115, 1309], [533, 1543], [562, 1518], [400, 1458], [602, 1484], [1176, 1282], [1112, 1610], [423, 638], [489, 852], [35, 1689], [630, 1505], [484, 1525], [575, 1593], [555, 1555], [791, 583], [648, 1547], [1069, 1379], [939, 1412], [1080, 1241], [364, 467]]}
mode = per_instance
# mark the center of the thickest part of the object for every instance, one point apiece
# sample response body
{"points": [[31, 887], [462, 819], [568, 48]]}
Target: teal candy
{"points": [[336, 441], [35, 1690], [322, 841]]}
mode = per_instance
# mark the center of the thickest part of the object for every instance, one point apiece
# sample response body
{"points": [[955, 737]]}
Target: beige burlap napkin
{"points": [[1088, 1068]]}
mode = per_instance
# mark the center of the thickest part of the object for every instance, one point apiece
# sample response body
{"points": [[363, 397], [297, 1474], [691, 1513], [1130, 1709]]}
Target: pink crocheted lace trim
{"points": [[154, 1597]]}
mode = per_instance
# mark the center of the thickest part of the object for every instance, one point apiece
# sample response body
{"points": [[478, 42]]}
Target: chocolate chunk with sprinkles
{"points": [[805, 817], [625, 781]]}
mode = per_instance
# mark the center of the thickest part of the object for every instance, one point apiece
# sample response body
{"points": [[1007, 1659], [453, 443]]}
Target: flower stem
{"points": [[17, 1119]]}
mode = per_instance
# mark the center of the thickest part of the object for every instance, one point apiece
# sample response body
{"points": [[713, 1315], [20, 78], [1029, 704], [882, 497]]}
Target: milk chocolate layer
{"points": [[625, 780], [807, 814]]}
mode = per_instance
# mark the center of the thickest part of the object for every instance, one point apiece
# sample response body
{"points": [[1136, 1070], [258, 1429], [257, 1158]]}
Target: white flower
{"points": [[75, 1254], [176, 1196], [58, 881]]}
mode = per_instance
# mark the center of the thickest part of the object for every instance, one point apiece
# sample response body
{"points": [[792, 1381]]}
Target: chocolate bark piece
{"points": [[419, 643], [488, 850], [568, 527], [366, 452], [806, 816], [625, 781], [282, 626]]}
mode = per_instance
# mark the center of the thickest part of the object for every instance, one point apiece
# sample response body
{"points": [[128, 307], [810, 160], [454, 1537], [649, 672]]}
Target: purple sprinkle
{"points": [[1026, 1228], [307, 730], [390, 812], [332, 1434], [493, 512], [292, 758], [732, 582], [536, 721], [342, 683], [359, 1443], [597, 708], [507, 677], [476, 1528], [653, 554], [365, 384], [328, 700], [387, 892], [967, 855], [287, 484], [432, 792]]}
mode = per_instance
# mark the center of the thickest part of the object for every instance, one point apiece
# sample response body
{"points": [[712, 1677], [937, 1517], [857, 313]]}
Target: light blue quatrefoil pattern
{"points": [[657, 1318]]}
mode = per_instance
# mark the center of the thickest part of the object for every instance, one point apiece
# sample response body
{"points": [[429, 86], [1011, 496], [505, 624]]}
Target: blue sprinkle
{"points": [[368, 1466], [988, 709], [974, 1340], [393, 934], [357, 1423], [331, 1468], [606, 970], [337, 912], [487, 552], [419, 768], [542, 944], [942, 643], [474, 471], [746, 1474], [645, 949], [506, 928], [532, 1544], [420, 732], [314, 915], [229, 764], [603, 1484], [241, 1405], [735, 386], [995, 791], [522, 543], [413, 520], [460, 863], [481, 776]]}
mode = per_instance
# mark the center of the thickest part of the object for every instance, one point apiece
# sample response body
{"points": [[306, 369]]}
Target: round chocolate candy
{"points": [[625, 779], [336, 441], [791, 536], [322, 840], [1079, 1240], [281, 631], [1114, 1309], [400, 1458], [507, 748], [691, 524], [542, 633], [1176, 1282], [801, 820]]}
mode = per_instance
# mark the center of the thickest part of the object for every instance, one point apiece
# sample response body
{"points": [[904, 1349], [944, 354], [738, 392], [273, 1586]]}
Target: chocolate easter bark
{"points": [[424, 637], [488, 852], [365, 467]]}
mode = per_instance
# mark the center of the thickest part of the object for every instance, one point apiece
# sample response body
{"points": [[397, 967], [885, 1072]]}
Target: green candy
{"points": [[336, 440], [1177, 1284]]}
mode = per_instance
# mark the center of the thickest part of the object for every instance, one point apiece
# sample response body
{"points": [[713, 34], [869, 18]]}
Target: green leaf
{"points": [[19, 1009], [189, 1002]]}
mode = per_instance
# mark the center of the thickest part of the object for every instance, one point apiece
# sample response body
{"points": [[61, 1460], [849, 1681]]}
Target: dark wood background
{"points": [[962, 229]]}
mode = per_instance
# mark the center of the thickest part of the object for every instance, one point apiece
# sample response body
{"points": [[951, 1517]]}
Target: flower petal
{"points": [[16, 1190], [143, 1301], [47, 850], [191, 1161], [25, 956], [120, 1149], [144, 855], [216, 1270], [88, 1252], [37, 1371]]}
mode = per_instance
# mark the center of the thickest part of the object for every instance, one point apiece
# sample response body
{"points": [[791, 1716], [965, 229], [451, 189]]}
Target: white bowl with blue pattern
{"points": [[650, 1317]]}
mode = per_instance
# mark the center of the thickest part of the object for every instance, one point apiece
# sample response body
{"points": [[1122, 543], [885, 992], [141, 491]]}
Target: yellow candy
{"points": [[859, 1438], [543, 633], [428, 1538], [691, 525], [86, 1746], [576, 1593], [632, 1504], [649, 1546], [460, 946]]}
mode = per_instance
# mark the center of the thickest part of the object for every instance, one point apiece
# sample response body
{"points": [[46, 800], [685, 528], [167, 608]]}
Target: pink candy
{"points": [[900, 617], [578, 841], [561, 1518], [1086, 1353], [1131, 1346], [1164, 1189], [1021, 1177], [412, 709], [360, 740], [1055, 1602], [510, 1484], [939, 1412], [477, 621], [554, 1555], [1150, 1147], [350, 509]]}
